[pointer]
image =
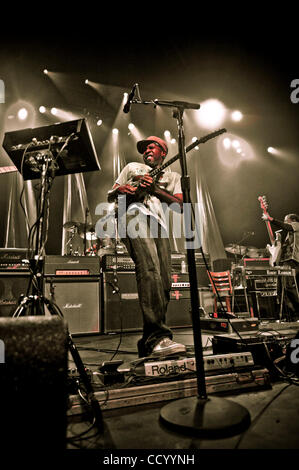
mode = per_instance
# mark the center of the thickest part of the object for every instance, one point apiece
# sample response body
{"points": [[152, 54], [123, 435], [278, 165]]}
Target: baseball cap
{"points": [[142, 144]]}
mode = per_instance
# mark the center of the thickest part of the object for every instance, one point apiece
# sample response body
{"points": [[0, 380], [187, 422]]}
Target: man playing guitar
{"points": [[150, 252], [289, 257]]}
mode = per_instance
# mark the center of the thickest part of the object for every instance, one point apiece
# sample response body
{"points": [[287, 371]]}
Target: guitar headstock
{"points": [[263, 203]]}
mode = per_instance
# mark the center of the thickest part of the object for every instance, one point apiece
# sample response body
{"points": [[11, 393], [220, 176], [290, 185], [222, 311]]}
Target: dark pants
{"points": [[152, 258]]}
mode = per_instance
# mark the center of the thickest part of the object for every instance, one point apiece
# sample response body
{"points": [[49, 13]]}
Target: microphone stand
{"points": [[201, 415]]}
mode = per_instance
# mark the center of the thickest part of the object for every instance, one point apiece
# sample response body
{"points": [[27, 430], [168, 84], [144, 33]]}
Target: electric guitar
{"points": [[275, 248], [140, 192]]}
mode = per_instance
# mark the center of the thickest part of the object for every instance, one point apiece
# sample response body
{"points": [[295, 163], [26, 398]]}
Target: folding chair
{"points": [[222, 289]]}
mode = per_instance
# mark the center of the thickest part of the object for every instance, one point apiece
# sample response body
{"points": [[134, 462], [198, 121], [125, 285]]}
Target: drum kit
{"points": [[246, 251], [83, 241]]}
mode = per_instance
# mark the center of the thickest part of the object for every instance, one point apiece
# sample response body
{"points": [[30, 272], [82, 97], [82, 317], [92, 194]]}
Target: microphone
{"points": [[127, 106]]}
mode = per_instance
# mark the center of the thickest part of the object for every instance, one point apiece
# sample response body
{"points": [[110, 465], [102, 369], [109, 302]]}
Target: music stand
{"points": [[46, 152]]}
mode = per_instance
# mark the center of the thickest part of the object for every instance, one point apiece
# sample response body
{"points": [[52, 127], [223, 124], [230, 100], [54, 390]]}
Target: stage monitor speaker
{"points": [[12, 285], [33, 384], [79, 300], [121, 311]]}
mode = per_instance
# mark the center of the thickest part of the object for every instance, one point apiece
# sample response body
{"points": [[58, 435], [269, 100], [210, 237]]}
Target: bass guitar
{"points": [[275, 248]]}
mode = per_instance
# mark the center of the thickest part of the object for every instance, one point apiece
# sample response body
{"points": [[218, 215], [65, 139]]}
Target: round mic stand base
{"points": [[212, 418], [200, 415]]}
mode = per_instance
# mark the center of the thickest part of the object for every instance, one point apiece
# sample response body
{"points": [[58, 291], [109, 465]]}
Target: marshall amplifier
{"points": [[79, 299], [73, 282], [13, 284], [56, 265], [13, 259]]}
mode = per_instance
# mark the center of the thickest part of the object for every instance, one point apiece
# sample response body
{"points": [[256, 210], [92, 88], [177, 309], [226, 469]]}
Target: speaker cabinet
{"points": [[202, 275], [267, 306], [12, 285], [33, 384], [179, 308], [79, 300], [121, 311]]}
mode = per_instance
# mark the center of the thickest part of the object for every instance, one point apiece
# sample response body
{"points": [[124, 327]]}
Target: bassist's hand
{"points": [[267, 217]]}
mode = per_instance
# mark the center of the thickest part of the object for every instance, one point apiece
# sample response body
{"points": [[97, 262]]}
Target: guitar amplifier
{"points": [[120, 303], [14, 259], [56, 265], [121, 262], [256, 262], [179, 307]]}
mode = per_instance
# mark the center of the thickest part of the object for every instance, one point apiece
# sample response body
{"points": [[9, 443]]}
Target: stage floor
{"points": [[274, 407]]}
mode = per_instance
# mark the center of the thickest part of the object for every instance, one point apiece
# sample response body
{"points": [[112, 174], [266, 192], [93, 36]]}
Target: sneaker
{"points": [[166, 346]]}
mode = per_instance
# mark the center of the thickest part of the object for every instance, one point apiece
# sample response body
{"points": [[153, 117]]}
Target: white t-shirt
{"points": [[151, 205]]}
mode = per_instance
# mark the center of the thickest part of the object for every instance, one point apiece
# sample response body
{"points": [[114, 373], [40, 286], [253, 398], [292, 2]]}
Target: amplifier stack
{"points": [[73, 283], [14, 278], [99, 294]]}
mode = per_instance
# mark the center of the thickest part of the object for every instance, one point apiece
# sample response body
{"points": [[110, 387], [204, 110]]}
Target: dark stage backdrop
{"points": [[245, 75]]}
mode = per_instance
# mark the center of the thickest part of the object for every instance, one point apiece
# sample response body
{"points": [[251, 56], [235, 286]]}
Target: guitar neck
{"points": [[270, 231], [157, 171]]}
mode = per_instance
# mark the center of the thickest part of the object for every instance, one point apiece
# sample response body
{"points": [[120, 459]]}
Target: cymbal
{"points": [[236, 249], [70, 225], [254, 252]]}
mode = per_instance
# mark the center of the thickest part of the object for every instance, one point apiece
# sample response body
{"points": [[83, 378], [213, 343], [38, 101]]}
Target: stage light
{"points": [[211, 113], [19, 114], [236, 144], [131, 126], [86, 81], [99, 122], [226, 143], [236, 115], [115, 131], [54, 111], [271, 150], [42, 109], [22, 114], [234, 150], [173, 141], [45, 71], [167, 134]]}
